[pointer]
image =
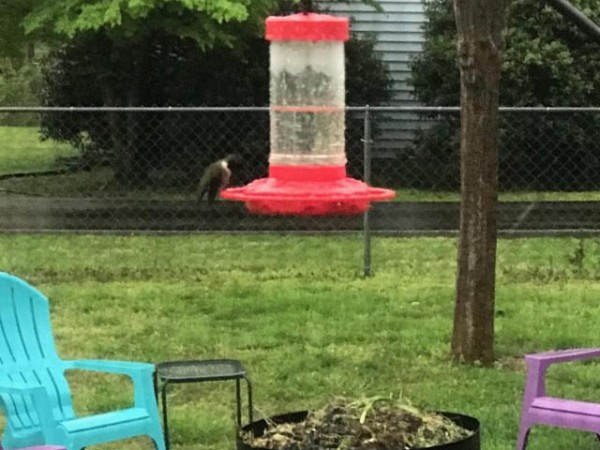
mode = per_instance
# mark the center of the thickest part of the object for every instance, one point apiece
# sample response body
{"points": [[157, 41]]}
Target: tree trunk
{"points": [[105, 57], [125, 128], [479, 25], [140, 147]]}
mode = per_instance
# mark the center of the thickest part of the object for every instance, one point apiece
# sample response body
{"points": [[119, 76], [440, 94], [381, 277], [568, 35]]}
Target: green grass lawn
{"points": [[21, 150], [415, 195], [307, 326]]}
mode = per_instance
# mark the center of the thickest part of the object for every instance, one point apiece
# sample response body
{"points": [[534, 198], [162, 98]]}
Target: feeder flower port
{"points": [[307, 160]]}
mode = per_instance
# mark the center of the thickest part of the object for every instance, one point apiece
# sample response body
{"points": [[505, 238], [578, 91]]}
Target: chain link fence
{"points": [[137, 169]]}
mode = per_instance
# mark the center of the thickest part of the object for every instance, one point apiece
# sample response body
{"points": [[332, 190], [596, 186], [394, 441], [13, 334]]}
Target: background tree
{"points": [[547, 62], [479, 47], [13, 38], [95, 70], [124, 43], [20, 74]]}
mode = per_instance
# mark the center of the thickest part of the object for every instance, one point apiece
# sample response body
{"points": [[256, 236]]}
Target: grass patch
{"points": [[307, 326], [98, 183], [21, 150], [415, 195]]}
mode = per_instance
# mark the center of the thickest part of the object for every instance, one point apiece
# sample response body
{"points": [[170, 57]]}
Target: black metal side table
{"points": [[200, 371]]}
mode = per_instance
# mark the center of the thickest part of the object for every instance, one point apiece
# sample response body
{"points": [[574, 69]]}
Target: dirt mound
{"points": [[374, 424]]}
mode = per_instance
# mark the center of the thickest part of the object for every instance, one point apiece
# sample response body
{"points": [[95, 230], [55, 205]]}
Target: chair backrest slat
{"points": [[20, 409], [27, 352], [58, 390], [28, 406], [26, 333]]}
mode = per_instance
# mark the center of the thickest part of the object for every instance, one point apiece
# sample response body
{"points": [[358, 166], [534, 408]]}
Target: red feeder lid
{"points": [[307, 27]]}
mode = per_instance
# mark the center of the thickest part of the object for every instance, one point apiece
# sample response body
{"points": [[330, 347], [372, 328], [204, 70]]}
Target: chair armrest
{"points": [[141, 375], [131, 368], [558, 356]]}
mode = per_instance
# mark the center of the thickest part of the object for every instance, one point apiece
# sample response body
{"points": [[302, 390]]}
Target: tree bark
{"points": [[479, 25], [106, 54], [125, 127]]}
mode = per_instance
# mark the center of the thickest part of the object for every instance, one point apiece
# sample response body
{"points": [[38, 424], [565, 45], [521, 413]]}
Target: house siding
{"points": [[399, 35]]}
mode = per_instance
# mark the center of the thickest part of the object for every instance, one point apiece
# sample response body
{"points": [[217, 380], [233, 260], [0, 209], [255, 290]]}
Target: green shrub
{"points": [[547, 62], [165, 70]]}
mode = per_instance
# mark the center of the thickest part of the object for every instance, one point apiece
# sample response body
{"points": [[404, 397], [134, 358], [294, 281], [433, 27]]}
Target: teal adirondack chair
{"points": [[34, 393]]}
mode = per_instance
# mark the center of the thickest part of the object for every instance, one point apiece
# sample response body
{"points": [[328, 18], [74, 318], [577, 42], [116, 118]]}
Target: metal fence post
{"points": [[367, 178]]}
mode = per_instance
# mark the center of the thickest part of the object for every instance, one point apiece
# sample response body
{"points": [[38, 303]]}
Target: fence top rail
{"points": [[199, 109], [35, 109], [448, 109]]}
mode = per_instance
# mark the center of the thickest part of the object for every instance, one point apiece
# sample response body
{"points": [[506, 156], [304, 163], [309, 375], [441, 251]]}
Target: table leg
{"points": [[165, 417], [238, 402], [250, 407]]}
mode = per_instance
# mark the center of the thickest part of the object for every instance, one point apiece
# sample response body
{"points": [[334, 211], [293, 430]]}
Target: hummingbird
{"points": [[216, 177]]}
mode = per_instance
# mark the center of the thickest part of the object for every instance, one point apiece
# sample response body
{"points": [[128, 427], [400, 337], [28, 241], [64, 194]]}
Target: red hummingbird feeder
{"points": [[307, 160]]}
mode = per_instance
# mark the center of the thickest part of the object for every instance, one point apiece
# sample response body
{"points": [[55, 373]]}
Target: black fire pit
{"points": [[258, 428]]}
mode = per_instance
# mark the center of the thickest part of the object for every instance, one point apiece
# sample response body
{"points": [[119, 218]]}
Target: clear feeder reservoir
{"points": [[307, 92], [307, 159]]}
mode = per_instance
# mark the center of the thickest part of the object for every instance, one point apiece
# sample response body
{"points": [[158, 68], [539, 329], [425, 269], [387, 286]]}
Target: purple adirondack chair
{"points": [[540, 409]]}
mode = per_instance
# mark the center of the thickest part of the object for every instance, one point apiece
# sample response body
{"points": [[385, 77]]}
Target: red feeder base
{"points": [[307, 191]]}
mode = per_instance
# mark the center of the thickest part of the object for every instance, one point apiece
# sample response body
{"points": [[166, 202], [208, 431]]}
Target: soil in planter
{"points": [[379, 424]]}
